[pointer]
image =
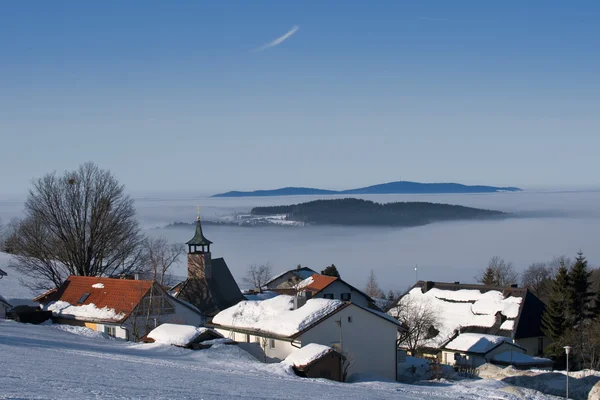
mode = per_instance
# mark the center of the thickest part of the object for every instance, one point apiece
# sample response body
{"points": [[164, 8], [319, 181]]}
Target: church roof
{"points": [[199, 239]]}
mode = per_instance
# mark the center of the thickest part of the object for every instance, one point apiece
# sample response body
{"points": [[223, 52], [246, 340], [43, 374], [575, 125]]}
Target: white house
{"points": [[334, 288], [474, 349], [289, 279], [4, 306], [511, 312], [123, 308], [282, 325]]}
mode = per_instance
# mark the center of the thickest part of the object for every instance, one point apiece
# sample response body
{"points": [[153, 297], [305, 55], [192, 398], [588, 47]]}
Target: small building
{"points": [[123, 308], [289, 279], [4, 307], [210, 287], [512, 312], [284, 324], [331, 287], [520, 360], [186, 336], [317, 361], [474, 350]]}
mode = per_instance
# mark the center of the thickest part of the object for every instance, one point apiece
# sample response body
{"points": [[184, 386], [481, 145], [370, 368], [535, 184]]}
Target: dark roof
{"points": [[299, 272], [528, 322], [214, 294], [2, 273], [199, 239]]}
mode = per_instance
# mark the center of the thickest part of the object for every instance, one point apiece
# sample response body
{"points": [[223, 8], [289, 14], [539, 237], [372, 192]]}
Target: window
{"points": [[328, 296], [83, 298], [272, 343], [346, 296], [110, 330], [350, 320]]}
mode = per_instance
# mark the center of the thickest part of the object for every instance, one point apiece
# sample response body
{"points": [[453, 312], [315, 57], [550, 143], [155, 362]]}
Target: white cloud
{"points": [[279, 40]]}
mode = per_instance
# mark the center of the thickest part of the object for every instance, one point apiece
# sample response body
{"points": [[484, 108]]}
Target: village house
{"points": [[317, 361], [284, 324], [289, 279], [123, 308], [331, 287], [210, 287], [510, 312], [4, 307]]}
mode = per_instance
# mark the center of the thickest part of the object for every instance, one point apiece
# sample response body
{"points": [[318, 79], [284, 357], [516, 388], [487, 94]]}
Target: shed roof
{"points": [[308, 354], [477, 343]]}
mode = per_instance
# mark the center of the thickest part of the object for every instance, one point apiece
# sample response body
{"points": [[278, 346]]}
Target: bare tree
{"points": [[418, 320], [160, 257], [82, 220], [498, 273], [538, 278], [258, 275], [372, 288]]}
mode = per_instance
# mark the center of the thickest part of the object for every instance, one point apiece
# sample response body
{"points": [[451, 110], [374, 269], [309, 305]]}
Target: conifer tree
{"points": [[331, 270], [489, 277], [556, 319], [580, 294]]}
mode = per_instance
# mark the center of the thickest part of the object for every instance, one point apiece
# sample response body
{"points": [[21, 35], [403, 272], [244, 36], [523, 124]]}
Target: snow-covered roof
{"points": [[11, 286], [476, 343], [464, 308], [518, 358], [307, 354], [267, 294], [302, 273], [85, 311], [177, 335], [276, 316]]}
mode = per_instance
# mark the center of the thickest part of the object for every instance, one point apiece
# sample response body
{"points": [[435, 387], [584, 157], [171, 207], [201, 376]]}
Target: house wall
{"points": [[3, 310], [531, 344], [337, 288], [369, 341], [328, 367], [277, 353]]}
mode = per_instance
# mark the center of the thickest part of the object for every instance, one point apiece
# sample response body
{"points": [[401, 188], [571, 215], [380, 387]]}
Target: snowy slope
{"points": [[47, 362]]}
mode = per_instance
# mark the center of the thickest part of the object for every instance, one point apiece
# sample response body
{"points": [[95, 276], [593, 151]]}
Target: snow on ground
{"points": [[88, 311], [41, 361], [11, 287], [175, 334], [476, 342], [464, 307], [581, 384], [276, 315], [307, 354]]}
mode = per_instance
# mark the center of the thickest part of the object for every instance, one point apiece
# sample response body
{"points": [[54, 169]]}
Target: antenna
{"points": [[416, 273], [198, 212]]}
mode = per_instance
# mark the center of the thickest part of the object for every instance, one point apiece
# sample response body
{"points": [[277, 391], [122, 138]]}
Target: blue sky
{"points": [[170, 96]]}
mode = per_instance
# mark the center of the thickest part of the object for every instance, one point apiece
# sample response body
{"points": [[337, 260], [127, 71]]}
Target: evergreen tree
{"points": [[556, 319], [596, 308], [489, 277], [331, 271], [580, 295]]}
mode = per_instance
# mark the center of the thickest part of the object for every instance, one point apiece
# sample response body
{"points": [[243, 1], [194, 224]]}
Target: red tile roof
{"points": [[319, 282], [122, 295]]}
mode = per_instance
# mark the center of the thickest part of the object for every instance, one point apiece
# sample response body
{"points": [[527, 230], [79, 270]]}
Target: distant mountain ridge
{"points": [[400, 187]]}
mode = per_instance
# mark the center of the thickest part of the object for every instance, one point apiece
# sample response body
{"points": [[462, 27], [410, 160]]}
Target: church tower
{"points": [[199, 258]]}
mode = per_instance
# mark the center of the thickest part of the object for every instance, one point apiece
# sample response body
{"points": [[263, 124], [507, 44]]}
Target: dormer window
{"points": [[346, 296]]}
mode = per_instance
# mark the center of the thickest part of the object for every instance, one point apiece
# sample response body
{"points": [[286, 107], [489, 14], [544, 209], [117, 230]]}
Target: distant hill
{"points": [[362, 212], [401, 187]]}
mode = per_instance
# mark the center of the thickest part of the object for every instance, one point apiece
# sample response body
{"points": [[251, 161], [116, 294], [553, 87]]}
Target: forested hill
{"points": [[364, 212], [401, 187]]}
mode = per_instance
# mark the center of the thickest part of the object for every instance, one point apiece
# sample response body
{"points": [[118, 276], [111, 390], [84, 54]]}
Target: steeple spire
{"points": [[199, 239]]}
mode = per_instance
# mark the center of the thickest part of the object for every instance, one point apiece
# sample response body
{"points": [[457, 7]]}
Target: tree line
{"points": [[363, 212]]}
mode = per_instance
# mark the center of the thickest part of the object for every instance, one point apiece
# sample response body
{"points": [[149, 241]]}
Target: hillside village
{"points": [[318, 325]]}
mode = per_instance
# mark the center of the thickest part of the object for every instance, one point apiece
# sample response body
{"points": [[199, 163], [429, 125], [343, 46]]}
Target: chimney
{"points": [[301, 298], [427, 286], [457, 282], [199, 265], [514, 285]]}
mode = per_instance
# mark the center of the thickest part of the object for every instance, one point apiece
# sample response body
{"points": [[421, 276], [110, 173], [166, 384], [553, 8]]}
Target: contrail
{"points": [[279, 40]]}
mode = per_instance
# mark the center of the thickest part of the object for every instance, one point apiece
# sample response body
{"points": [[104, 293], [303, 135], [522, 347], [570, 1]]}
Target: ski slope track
{"points": [[54, 362]]}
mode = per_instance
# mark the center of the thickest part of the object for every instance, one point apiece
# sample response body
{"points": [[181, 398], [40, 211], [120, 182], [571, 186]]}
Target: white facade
{"points": [[339, 290], [366, 339], [477, 359]]}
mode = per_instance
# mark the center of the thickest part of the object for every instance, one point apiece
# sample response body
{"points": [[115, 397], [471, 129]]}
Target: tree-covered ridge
{"points": [[363, 212]]}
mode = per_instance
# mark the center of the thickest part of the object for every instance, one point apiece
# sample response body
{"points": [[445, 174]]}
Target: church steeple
{"points": [[199, 239]]}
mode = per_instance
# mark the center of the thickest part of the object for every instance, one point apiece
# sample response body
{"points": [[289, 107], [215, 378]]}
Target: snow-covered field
{"points": [[52, 362]]}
